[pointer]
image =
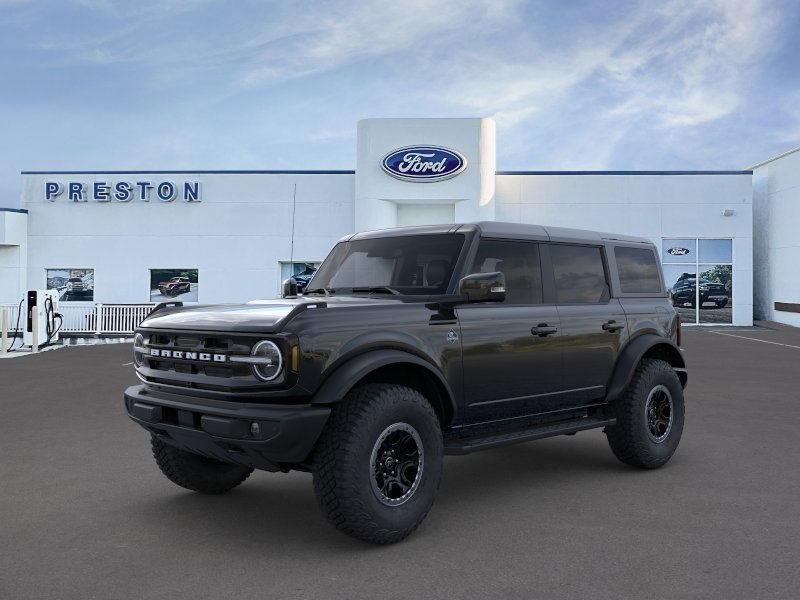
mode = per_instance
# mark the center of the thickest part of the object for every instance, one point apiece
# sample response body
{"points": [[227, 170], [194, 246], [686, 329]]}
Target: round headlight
{"points": [[271, 363], [138, 342]]}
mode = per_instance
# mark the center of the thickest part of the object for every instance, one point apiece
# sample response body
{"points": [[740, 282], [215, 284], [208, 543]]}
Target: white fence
{"points": [[91, 318]]}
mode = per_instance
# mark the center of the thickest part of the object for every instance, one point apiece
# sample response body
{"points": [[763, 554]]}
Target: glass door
{"points": [[703, 299]]}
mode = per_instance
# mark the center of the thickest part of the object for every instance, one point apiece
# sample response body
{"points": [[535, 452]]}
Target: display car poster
{"points": [[173, 284], [73, 285]]}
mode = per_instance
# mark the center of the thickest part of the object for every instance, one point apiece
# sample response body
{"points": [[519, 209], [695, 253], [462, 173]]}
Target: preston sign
{"points": [[122, 191], [423, 163]]}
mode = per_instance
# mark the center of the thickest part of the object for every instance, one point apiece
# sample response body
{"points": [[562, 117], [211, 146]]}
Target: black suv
{"points": [[410, 344], [685, 292]]}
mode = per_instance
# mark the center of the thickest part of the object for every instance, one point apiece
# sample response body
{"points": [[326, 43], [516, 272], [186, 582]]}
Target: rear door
{"points": [[592, 323], [511, 355]]}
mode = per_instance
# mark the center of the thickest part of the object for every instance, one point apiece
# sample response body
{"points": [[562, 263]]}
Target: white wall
{"points": [[776, 197], [652, 206], [380, 197], [13, 255], [235, 236], [240, 231]]}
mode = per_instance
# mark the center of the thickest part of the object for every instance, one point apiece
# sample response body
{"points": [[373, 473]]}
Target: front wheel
{"points": [[378, 463], [649, 416]]}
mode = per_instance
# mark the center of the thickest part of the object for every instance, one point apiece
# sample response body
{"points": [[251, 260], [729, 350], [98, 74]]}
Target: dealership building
{"points": [[136, 237]]}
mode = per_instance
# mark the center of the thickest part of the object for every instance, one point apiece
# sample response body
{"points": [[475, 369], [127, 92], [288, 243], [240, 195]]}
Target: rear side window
{"points": [[579, 274], [638, 270], [518, 262]]}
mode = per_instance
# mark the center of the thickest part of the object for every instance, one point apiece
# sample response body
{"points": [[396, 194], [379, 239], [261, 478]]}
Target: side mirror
{"points": [[483, 287], [289, 288]]}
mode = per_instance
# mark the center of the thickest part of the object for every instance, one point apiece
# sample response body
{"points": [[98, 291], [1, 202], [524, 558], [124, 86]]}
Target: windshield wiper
{"points": [[322, 290], [375, 289]]}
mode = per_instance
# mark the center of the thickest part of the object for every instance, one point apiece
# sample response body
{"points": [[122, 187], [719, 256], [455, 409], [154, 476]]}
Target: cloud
{"points": [[335, 34]]}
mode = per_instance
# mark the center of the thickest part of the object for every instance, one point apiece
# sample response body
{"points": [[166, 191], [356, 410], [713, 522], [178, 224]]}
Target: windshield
{"points": [[414, 265]]}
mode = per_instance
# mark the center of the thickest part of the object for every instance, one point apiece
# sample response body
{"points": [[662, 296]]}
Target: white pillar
{"points": [[4, 331]]}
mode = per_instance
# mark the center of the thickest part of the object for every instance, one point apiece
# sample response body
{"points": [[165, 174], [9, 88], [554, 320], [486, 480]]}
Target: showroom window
{"points": [[302, 271], [703, 299]]}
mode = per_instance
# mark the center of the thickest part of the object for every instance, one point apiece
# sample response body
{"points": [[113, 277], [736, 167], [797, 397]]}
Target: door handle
{"points": [[612, 326], [543, 330]]}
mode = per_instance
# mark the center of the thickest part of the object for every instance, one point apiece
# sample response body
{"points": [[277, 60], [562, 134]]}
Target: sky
{"points": [[572, 85]]}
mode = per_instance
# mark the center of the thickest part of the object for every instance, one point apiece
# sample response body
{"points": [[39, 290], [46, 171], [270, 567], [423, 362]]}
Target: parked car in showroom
{"points": [[684, 292], [410, 344], [175, 286]]}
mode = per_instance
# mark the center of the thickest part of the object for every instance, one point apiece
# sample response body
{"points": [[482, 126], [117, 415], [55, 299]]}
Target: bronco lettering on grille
{"points": [[183, 354]]}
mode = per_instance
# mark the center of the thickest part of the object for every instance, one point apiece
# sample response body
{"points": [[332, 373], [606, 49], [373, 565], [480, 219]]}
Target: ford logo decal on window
{"points": [[677, 251], [423, 163]]}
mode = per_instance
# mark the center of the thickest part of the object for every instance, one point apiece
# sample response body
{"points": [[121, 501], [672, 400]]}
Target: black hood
{"points": [[259, 316]]}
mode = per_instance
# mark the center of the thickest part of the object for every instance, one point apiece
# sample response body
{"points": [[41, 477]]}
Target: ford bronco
{"points": [[175, 286], [410, 344]]}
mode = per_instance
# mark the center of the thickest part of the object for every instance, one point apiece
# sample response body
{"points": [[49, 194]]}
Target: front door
{"points": [[511, 355]]}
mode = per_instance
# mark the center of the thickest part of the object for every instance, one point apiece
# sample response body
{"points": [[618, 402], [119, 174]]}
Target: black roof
{"points": [[504, 230]]}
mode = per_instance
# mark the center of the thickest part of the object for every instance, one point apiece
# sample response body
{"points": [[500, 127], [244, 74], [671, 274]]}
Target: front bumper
{"points": [[262, 436]]}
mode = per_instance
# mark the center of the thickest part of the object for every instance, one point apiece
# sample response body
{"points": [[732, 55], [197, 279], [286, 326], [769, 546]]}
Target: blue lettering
{"points": [[123, 191], [101, 191], [144, 187], [52, 189], [166, 191], [191, 191], [76, 192]]}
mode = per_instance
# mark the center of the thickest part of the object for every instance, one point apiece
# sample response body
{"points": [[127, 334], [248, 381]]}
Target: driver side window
{"points": [[518, 262]]}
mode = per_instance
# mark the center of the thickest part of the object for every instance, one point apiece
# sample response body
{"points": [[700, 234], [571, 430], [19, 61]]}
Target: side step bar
{"points": [[469, 445]]}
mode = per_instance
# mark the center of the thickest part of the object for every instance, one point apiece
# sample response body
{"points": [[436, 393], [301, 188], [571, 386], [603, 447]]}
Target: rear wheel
{"points": [[195, 472], [649, 416], [378, 463]]}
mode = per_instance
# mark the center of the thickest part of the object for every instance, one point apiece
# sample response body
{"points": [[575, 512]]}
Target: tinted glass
{"points": [[416, 265], [679, 251], [715, 251], [681, 281], [519, 262], [716, 293], [579, 274], [638, 270]]}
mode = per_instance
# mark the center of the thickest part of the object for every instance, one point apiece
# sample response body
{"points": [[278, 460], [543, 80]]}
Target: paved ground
{"points": [[84, 513]]}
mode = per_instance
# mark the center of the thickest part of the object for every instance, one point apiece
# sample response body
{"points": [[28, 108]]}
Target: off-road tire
{"points": [[342, 462], [195, 472], [628, 438]]}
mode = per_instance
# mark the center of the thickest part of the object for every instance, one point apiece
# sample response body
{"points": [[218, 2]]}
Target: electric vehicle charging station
{"points": [[42, 319]]}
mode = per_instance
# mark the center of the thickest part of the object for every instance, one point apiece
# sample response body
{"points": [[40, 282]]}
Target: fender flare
{"points": [[345, 376], [632, 354]]}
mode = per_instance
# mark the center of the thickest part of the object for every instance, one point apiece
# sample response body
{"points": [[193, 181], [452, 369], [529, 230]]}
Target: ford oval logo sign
{"points": [[678, 251], [423, 163]]}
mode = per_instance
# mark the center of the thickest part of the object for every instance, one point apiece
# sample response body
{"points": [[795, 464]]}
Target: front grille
{"points": [[197, 374]]}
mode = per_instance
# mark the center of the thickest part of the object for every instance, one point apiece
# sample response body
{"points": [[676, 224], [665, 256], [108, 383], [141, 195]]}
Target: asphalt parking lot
{"points": [[84, 512]]}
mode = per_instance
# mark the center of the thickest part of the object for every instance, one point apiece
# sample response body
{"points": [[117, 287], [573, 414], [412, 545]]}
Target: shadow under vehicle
{"points": [[410, 344]]}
